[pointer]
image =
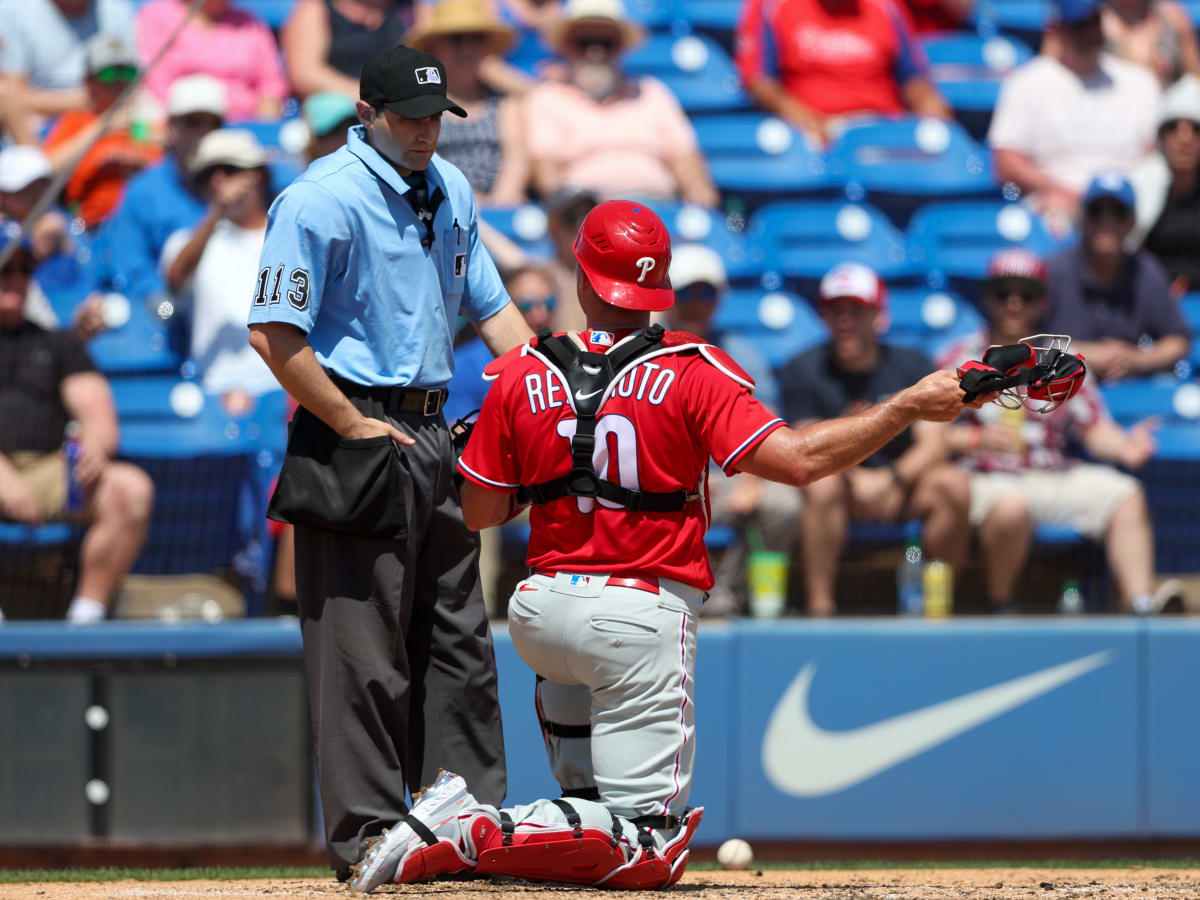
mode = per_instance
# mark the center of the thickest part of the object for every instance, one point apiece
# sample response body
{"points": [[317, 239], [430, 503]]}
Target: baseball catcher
{"points": [[608, 435]]}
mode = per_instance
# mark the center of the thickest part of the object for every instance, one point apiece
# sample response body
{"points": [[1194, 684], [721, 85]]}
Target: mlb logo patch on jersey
{"points": [[460, 265], [602, 338], [428, 75], [580, 580]]}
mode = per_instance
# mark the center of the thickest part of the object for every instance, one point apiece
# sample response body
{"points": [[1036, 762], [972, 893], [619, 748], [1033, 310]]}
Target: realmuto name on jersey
{"points": [[649, 381]]}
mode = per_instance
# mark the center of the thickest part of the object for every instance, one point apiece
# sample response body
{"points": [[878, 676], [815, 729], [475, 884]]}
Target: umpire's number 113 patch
{"points": [[297, 294]]}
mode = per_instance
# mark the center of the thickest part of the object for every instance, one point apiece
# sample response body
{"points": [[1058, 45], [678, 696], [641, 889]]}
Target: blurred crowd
{"points": [[132, 149]]}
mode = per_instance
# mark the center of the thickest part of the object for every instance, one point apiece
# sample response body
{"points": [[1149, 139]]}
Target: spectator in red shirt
{"points": [[1022, 474], [811, 61]]}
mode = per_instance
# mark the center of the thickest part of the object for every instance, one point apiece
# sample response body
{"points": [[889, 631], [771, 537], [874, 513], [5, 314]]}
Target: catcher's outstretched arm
{"points": [[805, 455]]}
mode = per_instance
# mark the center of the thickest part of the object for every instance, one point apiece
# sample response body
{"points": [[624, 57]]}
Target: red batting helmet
{"points": [[625, 251]]}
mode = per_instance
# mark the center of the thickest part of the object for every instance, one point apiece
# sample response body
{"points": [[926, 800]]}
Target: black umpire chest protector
{"points": [[588, 377]]}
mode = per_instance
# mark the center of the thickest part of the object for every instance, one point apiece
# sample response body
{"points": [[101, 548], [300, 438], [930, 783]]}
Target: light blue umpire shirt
{"points": [[343, 262]]}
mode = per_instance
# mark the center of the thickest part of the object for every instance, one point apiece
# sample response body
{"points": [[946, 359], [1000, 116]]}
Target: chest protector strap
{"points": [[588, 377]]}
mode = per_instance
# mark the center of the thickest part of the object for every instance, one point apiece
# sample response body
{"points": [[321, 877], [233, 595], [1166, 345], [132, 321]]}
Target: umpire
{"points": [[369, 258]]}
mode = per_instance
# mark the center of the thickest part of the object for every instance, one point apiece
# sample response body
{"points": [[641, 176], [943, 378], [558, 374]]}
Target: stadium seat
{"points": [[717, 17], [929, 320], [903, 162], [952, 242], [142, 344], [780, 324], [802, 241], [1164, 396], [757, 157], [1191, 311], [697, 224], [523, 225], [968, 70], [1021, 19], [273, 12], [655, 14], [696, 69], [529, 52]]}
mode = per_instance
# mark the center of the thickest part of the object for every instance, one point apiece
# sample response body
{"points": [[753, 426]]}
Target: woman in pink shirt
{"points": [[228, 44]]}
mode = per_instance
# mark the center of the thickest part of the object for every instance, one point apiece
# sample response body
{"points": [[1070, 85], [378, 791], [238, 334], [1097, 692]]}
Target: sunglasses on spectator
{"points": [[116, 74], [533, 302], [606, 42], [197, 121], [1172, 125], [1098, 209], [1003, 292], [466, 38], [697, 293]]}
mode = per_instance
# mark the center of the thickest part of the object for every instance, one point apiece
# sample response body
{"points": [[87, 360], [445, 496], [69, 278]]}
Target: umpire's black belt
{"points": [[394, 399]]}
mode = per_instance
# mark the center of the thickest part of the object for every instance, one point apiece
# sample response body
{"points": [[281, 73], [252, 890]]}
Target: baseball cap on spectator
{"points": [[1110, 185], [1181, 101], [586, 12], [1072, 12], [1015, 263], [696, 264], [110, 52], [196, 94], [408, 82], [853, 281], [324, 112], [22, 165], [235, 147], [462, 17]]}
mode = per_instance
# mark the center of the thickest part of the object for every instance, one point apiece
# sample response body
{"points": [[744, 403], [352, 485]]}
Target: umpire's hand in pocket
{"points": [[369, 428]]}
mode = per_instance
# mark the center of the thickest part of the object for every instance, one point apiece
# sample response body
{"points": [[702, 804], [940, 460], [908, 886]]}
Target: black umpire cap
{"points": [[408, 82]]}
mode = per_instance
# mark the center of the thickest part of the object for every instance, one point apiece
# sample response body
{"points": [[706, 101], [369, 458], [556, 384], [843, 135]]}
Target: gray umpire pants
{"points": [[401, 672]]}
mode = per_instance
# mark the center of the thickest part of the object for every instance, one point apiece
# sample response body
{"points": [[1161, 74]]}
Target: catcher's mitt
{"points": [[1039, 368]]}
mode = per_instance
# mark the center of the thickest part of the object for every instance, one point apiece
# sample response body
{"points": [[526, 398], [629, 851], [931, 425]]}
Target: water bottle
{"points": [[1070, 601], [938, 583], [75, 498], [909, 590]]}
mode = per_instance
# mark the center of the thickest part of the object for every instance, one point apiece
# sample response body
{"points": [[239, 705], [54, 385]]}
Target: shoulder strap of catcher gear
{"points": [[588, 377]]}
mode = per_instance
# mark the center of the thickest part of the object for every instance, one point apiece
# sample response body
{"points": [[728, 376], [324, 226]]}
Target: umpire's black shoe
{"points": [[343, 875]]}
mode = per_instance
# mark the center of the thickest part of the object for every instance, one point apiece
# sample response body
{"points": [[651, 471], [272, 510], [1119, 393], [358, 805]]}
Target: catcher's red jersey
{"points": [[656, 432]]}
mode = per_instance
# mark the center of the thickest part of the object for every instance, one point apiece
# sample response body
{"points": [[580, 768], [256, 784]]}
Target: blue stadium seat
{"points": [[759, 157], [523, 225], [655, 14], [529, 52], [273, 12], [718, 17], [968, 70], [143, 344], [36, 535], [803, 240], [696, 69], [953, 241], [1132, 400], [1191, 311], [697, 224], [928, 320], [780, 324], [1023, 19], [903, 162]]}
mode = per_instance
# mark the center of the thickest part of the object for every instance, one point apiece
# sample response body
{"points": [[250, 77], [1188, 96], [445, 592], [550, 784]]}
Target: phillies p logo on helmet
{"points": [[625, 251], [646, 264]]}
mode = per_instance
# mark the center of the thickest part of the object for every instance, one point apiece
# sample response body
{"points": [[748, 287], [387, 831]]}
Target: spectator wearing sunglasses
{"points": [[233, 46], [1022, 471], [1167, 187], [113, 155], [599, 129], [1070, 113], [489, 145], [1115, 304], [744, 503], [212, 267], [42, 58]]}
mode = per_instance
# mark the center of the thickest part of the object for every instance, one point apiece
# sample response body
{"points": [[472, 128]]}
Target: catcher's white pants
{"points": [[621, 661]]}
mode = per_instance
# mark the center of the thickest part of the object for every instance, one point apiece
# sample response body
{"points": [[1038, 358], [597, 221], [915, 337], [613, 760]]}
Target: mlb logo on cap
{"points": [[428, 75]]}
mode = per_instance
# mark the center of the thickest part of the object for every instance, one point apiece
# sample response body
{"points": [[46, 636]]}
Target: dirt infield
{"points": [[881, 884]]}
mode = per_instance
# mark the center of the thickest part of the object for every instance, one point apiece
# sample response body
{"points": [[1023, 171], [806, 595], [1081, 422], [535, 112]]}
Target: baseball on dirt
{"points": [[735, 854]]}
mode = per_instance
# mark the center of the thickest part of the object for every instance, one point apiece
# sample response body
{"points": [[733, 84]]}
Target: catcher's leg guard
{"points": [[657, 868]]}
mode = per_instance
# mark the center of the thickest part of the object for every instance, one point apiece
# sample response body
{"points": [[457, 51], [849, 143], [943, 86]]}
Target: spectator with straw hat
{"points": [[488, 146]]}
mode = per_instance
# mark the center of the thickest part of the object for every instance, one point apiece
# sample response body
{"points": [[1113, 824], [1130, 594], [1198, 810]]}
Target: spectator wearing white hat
{"points": [[25, 175], [742, 502], [212, 267], [601, 130], [163, 199], [909, 478], [42, 50], [1167, 188]]}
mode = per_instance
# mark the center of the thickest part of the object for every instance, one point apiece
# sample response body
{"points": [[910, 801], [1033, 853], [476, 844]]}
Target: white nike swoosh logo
{"points": [[579, 396], [802, 759]]}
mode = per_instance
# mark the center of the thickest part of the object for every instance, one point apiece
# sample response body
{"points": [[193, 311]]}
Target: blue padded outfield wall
{"points": [[862, 730]]}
